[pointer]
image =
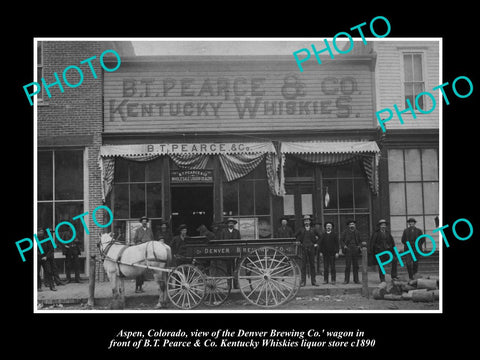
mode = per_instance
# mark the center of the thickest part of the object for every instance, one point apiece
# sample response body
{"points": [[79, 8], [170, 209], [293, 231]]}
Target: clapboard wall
{"points": [[236, 94]]}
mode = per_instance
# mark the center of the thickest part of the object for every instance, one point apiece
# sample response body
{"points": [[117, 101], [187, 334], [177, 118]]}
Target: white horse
{"points": [[120, 260]]}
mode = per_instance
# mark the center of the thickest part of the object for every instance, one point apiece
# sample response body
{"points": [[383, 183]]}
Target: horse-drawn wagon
{"points": [[265, 271]]}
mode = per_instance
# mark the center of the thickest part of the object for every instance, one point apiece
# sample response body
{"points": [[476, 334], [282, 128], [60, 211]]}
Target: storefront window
{"points": [[60, 193], [137, 191], [414, 189], [346, 195], [249, 197]]}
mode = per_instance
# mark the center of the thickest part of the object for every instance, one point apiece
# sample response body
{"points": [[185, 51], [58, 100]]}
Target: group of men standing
{"points": [[329, 243]]}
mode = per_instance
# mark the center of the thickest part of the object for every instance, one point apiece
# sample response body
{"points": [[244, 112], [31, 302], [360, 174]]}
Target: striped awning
{"points": [[329, 147], [335, 153]]}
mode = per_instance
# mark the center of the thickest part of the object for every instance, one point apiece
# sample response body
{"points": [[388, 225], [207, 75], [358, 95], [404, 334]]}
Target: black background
{"points": [[396, 334]]}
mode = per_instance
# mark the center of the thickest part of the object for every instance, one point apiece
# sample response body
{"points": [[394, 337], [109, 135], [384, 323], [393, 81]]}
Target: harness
{"points": [[104, 252]]}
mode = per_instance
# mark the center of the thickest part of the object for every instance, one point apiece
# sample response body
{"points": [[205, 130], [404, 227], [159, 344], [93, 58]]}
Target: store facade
{"points": [[197, 140]]}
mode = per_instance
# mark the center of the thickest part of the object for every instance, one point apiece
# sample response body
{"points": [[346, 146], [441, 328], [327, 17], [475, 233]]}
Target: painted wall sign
{"points": [[235, 97]]}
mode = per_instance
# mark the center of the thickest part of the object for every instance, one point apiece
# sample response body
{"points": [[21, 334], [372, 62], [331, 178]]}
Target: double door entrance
{"points": [[192, 204]]}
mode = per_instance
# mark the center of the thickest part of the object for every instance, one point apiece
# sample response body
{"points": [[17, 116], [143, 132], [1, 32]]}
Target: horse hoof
{"points": [[159, 306]]}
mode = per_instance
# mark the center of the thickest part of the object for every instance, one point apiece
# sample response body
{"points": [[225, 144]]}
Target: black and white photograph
{"points": [[235, 181], [270, 185]]}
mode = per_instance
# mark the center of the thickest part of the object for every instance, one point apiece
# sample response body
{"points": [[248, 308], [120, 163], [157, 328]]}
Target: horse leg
{"points": [[161, 281], [121, 291]]}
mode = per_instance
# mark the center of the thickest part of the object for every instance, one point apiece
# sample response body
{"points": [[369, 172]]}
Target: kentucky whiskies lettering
{"points": [[158, 99]]}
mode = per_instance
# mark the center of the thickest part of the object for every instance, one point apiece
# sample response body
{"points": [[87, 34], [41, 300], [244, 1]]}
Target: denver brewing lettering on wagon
{"points": [[248, 95]]}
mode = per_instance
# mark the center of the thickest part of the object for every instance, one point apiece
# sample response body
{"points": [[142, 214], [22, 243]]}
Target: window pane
{"points": [[304, 169], [120, 201], [154, 200], [412, 163], [363, 226], [344, 171], [154, 170], [230, 199], [262, 198], [362, 197], [357, 170], [329, 172], [246, 197], [395, 165], [45, 175], [137, 200], [407, 62], [414, 198], [430, 190], [260, 171], [68, 175], [67, 211], [345, 191], [397, 199], [417, 67], [137, 171], [330, 200], [397, 225], [45, 215], [121, 170], [119, 230], [290, 168], [430, 164], [418, 88]]}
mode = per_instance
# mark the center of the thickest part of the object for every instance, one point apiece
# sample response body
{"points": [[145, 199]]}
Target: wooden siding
{"points": [[389, 81], [231, 96]]}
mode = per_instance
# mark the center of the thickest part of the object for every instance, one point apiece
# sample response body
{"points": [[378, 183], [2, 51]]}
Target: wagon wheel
{"points": [[267, 277], [217, 286], [186, 287], [298, 273]]}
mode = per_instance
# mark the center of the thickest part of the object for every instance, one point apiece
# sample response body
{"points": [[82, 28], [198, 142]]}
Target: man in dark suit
{"points": [[284, 231], [46, 261], [350, 243], [381, 241], [142, 234], [72, 252], [178, 246], [410, 234], [329, 248], [308, 237], [230, 233]]}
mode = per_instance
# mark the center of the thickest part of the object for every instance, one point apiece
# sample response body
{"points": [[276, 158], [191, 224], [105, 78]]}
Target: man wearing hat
{"points": [[165, 233], [410, 234], [308, 237], [381, 241], [142, 234], [284, 231], [178, 245], [329, 248], [230, 233], [350, 243]]}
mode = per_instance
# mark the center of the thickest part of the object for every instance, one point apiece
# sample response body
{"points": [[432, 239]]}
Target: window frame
{"points": [[423, 55]]}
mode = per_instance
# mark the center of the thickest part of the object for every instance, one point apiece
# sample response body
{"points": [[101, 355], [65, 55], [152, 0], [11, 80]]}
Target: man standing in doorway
{"points": [[410, 234], [308, 237], [142, 234], [350, 243], [381, 241]]}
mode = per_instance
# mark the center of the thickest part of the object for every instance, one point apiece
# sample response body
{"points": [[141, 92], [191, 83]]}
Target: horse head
{"points": [[104, 240]]}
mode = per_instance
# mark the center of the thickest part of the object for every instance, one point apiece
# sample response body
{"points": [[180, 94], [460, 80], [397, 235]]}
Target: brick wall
{"points": [[74, 117]]}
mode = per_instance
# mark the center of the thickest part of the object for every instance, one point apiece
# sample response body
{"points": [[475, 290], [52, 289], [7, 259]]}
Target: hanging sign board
{"points": [[191, 176]]}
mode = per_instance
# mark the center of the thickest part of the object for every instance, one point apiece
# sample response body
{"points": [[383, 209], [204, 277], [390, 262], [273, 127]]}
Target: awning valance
{"points": [[142, 150], [329, 147], [335, 153]]}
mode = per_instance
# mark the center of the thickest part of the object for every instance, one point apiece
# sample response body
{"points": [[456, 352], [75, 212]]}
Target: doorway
{"points": [[192, 205]]}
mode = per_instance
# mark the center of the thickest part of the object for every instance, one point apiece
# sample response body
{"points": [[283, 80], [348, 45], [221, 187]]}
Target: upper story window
{"points": [[414, 82]]}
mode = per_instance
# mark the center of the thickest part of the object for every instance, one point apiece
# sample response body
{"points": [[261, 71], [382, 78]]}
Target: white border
{"points": [[220, 311]]}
